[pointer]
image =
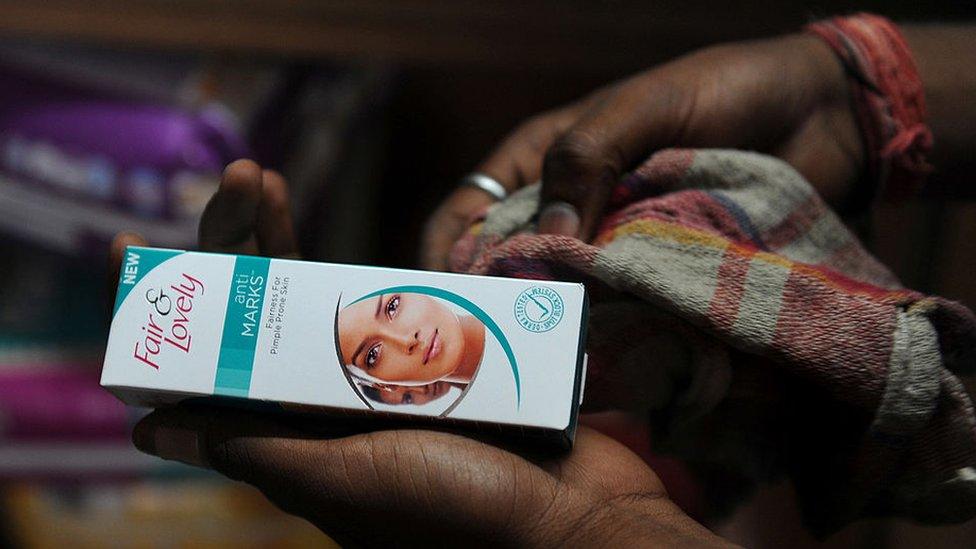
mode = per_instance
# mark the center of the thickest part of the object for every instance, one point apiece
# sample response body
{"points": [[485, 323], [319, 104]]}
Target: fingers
{"points": [[415, 483], [275, 232], [447, 224], [297, 473], [583, 164], [229, 221], [515, 163], [198, 435], [249, 214]]}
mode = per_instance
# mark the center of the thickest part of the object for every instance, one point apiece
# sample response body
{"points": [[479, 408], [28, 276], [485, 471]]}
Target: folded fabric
{"points": [[712, 263]]}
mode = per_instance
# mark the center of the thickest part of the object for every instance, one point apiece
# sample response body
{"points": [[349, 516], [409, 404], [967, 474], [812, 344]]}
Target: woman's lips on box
{"points": [[434, 347]]}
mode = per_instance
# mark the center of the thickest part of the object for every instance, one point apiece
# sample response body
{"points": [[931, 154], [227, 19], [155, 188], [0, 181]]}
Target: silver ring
{"points": [[487, 184]]}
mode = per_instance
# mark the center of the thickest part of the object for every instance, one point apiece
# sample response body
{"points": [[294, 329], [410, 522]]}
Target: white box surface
{"points": [[348, 339]]}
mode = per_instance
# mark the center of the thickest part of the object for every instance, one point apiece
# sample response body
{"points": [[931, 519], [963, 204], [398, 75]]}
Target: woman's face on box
{"points": [[401, 337], [418, 396]]}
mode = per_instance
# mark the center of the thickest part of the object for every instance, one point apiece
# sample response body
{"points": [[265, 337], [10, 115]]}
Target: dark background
{"points": [[459, 76]]}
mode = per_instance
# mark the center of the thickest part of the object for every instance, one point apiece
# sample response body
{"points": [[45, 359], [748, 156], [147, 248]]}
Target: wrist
{"points": [[832, 118], [888, 99]]}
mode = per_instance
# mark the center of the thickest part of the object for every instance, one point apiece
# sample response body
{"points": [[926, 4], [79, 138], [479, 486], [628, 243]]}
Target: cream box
{"points": [[469, 350]]}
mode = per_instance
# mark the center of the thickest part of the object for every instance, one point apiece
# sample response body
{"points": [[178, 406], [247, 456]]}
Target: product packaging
{"points": [[473, 351]]}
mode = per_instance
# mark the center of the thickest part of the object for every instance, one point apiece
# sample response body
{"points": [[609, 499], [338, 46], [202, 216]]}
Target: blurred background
{"points": [[120, 115]]}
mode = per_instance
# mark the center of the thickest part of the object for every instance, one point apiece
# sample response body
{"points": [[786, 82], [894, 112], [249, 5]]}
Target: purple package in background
{"points": [[105, 160], [60, 403]]}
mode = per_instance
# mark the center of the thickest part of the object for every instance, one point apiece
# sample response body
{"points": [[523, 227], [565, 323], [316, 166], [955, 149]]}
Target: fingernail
{"points": [[559, 218], [172, 443]]}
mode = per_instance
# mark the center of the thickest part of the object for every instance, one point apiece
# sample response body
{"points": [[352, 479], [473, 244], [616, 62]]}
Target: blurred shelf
{"points": [[178, 513], [584, 36], [68, 223], [581, 35], [73, 460]]}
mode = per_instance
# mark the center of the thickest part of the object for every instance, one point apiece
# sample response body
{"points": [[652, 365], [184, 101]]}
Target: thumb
{"points": [[418, 484], [582, 166], [304, 475]]}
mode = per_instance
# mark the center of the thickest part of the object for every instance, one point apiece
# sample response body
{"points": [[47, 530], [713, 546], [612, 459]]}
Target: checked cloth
{"points": [[713, 265]]}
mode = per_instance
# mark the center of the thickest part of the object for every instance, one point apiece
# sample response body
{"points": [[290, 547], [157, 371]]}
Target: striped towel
{"points": [[736, 308]]}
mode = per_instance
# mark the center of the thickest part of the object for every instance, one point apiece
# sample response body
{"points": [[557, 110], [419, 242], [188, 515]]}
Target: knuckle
{"points": [[534, 124], [576, 161], [574, 149], [578, 153]]}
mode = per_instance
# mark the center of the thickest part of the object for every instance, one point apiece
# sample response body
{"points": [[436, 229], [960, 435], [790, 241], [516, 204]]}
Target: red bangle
{"points": [[889, 100]]}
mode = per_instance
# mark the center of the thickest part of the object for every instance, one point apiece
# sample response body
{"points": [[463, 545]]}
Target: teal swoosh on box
{"points": [[143, 260]]}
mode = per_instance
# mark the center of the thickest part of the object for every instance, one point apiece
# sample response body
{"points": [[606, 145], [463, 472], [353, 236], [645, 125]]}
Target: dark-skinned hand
{"points": [[785, 96], [405, 486]]}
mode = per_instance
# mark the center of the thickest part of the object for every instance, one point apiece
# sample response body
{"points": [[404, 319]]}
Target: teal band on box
{"points": [[242, 324]]}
